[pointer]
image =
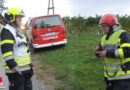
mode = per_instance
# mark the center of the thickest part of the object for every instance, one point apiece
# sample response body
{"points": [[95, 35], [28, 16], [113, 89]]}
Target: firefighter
{"points": [[15, 53], [115, 49]]}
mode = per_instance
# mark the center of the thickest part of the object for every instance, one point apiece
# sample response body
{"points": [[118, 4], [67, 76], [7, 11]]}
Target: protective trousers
{"points": [[118, 85], [20, 82]]}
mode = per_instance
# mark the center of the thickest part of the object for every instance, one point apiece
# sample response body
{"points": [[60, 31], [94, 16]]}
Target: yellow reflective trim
{"points": [[7, 41], [22, 57], [121, 53], [20, 60], [127, 72], [6, 67], [7, 54], [102, 43], [23, 60], [28, 65], [125, 60], [24, 63], [112, 74], [125, 45], [24, 66], [111, 68], [119, 40]]}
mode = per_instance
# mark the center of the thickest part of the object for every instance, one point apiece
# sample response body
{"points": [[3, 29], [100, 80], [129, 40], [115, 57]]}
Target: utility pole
{"points": [[50, 7]]}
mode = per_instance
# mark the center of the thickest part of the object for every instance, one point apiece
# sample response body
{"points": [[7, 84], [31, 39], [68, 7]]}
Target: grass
{"points": [[75, 65]]}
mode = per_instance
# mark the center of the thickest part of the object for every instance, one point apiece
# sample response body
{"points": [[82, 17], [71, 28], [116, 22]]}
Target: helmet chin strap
{"points": [[14, 24], [110, 31]]}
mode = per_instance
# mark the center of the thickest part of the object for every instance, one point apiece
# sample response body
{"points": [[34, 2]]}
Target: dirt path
{"points": [[44, 73]]}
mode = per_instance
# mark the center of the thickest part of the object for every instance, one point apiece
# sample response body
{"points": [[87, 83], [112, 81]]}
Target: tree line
{"points": [[91, 24]]}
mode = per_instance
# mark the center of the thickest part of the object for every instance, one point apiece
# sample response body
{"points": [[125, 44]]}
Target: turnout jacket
{"points": [[117, 60], [15, 51]]}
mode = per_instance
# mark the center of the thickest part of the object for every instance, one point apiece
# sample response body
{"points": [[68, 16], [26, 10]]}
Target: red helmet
{"points": [[108, 19]]}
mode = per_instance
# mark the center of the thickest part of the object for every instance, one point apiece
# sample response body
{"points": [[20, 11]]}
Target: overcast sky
{"points": [[72, 7]]}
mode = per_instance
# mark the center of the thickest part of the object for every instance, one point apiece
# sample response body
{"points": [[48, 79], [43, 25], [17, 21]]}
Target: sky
{"points": [[72, 8]]}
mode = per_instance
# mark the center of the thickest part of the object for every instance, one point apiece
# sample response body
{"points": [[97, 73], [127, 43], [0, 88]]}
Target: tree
{"points": [[91, 24], [79, 23], [66, 21]]}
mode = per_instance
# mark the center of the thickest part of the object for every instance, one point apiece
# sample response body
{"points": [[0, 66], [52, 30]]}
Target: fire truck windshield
{"points": [[45, 22]]}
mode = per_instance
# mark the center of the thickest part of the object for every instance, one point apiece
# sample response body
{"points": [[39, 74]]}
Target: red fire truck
{"points": [[46, 31]]}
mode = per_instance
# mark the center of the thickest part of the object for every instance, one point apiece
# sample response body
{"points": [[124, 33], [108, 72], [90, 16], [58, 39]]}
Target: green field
{"points": [[75, 64]]}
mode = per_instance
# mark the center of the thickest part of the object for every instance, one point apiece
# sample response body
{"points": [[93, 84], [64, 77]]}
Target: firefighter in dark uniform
{"points": [[115, 49], [15, 52]]}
